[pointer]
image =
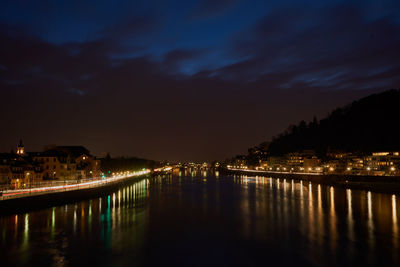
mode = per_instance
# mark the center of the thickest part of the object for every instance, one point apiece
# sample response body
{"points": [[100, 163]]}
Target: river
{"points": [[206, 219]]}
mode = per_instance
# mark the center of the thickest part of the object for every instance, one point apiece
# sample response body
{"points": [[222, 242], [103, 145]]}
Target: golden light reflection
{"points": [[395, 224], [53, 218], [74, 223], [350, 221], [26, 232], [302, 221], [292, 187], [369, 205], [301, 189], [284, 185], [394, 210], [90, 214], [370, 220], [311, 220], [332, 221], [16, 222], [135, 190], [26, 229], [319, 199], [332, 198], [128, 194], [321, 225]]}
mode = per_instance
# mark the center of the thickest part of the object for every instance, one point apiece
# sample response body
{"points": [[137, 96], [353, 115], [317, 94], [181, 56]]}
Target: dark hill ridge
{"points": [[369, 124]]}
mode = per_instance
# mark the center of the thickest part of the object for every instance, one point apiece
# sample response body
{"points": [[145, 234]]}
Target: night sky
{"points": [[185, 80]]}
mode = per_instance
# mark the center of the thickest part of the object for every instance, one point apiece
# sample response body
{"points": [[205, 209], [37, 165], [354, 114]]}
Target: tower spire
{"points": [[21, 148]]}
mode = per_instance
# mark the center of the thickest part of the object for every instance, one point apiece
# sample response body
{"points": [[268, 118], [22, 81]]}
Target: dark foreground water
{"points": [[207, 220]]}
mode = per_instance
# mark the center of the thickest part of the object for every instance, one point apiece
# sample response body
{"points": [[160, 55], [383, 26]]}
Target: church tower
{"points": [[20, 148]]}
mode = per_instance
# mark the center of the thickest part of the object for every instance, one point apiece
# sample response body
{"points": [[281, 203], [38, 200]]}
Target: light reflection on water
{"points": [[352, 227], [289, 221]]}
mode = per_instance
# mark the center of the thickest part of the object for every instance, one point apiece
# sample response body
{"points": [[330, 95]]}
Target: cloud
{"points": [[132, 27], [291, 65], [330, 48], [77, 91], [175, 60], [210, 8]]}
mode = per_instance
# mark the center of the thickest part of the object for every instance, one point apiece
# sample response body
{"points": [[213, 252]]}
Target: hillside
{"points": [[369, 124], [121, 164]]}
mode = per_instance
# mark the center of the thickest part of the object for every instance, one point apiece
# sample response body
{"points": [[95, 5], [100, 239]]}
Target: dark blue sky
{"points": [[186, 79]]}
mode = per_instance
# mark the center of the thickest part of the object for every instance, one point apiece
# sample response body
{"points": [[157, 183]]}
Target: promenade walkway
{"points": [[67, 185]]}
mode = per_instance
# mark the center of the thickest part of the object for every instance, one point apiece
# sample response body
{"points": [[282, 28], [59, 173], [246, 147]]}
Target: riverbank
{"points": [[57, 198], [379, 184]]}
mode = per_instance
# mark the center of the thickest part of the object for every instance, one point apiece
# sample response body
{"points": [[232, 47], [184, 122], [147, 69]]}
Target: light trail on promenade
{"points": [[266, 172], [75, 185]]}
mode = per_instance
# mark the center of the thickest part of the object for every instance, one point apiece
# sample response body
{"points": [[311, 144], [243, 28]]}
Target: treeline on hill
{"points": [[120, 164], [367, 125]]}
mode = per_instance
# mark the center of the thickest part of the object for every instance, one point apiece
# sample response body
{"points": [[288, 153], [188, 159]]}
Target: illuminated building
{"points": [[311, 162], [67, 163], [20, 148]]}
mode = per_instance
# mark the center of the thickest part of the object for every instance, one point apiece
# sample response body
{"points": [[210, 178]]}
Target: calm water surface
{"points": [[199, 219]]}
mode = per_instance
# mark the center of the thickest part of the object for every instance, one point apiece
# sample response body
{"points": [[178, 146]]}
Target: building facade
{"points": [[23, 168]]}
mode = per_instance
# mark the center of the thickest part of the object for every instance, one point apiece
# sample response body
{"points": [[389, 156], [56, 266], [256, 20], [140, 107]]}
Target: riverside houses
{"points": [[53, 163], [67, 163], [338, 162]]}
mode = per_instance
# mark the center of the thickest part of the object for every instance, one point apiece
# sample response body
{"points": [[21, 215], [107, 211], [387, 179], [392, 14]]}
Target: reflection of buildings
{"points": [[55, 162]]}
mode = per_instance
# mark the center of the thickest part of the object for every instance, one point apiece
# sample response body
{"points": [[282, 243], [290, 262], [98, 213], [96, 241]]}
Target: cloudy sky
{"points": [[185, 80]]}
